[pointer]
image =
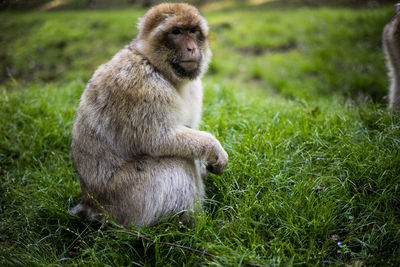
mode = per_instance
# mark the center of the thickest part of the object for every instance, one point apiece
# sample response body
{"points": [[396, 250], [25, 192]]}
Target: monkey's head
{"points": [[174, 38]]}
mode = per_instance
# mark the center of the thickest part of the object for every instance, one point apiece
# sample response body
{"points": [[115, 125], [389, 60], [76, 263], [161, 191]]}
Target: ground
{"points": [[295, 95]]}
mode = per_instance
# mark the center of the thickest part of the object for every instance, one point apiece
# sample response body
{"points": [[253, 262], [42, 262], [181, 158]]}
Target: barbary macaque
{"points": [[135, 143], [391, 45]]}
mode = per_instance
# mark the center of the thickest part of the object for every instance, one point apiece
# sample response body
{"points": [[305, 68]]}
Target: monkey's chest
{"points": [[189, 107]]}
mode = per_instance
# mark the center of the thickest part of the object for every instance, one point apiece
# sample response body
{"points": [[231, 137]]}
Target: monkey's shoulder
{"points": [[126, 77], [129, 72], [127, 82]]}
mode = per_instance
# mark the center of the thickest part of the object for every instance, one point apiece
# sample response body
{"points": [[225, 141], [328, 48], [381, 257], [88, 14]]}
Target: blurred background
{"points": [[207, 4], [293, 48]]}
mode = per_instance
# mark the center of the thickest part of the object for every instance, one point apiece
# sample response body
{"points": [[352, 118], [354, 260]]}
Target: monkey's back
{"points": [[391, 45]]}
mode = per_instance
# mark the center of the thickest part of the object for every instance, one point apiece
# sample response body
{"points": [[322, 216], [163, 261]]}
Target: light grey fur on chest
{"points": [[189, 104]]}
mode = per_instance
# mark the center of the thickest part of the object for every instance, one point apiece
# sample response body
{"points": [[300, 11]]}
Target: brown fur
{"points": [[135, 142], [391, 44]]}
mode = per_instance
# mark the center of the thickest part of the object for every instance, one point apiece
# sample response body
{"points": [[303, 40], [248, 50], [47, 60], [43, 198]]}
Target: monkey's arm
{"points": [[190, 143], [156, 140], [149, 128]]}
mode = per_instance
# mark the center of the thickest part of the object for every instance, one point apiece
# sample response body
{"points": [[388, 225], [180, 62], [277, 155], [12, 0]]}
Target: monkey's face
{"points": [[173, 37], [185, 45]]}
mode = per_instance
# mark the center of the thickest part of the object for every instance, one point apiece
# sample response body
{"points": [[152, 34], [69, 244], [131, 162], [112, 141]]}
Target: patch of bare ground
{"points": [[261, 50]]}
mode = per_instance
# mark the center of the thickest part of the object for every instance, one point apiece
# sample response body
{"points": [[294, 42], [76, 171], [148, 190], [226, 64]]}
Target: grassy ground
{"points": [[294, 95]]}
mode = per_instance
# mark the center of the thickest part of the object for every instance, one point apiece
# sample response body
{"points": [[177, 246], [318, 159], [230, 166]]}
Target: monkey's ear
{"points": [[204, 27], [152, 24]]}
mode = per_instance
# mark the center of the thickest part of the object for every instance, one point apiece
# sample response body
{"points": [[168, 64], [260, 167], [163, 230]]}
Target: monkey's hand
{"points": [[217, 160]]}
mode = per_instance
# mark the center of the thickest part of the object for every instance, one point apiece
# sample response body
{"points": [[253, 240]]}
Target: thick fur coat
{"points": [[135, 142], [391, 45]]}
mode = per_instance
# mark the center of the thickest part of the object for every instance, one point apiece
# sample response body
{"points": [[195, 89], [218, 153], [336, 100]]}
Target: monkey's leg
{"points": [[147, 189]]}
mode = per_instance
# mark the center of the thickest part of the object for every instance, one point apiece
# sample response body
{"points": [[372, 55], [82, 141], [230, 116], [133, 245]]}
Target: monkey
{"points": [[135, 141], [391, 47]]}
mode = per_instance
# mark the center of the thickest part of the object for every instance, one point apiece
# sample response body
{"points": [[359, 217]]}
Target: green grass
{"points": [[294, 95]]}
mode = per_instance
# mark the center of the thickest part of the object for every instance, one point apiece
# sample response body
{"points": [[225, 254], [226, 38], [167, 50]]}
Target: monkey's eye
{"points": [[193, 30], [176, 31]]}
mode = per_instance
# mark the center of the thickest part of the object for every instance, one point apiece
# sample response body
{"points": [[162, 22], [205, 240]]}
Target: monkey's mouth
{"points": [[186, 68], [189, 64]]}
